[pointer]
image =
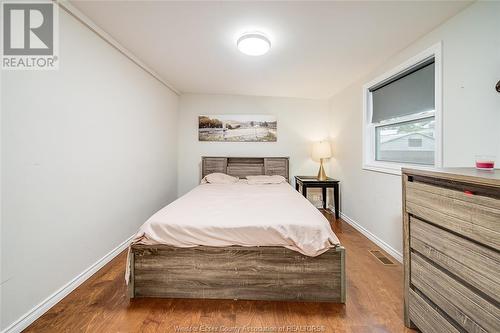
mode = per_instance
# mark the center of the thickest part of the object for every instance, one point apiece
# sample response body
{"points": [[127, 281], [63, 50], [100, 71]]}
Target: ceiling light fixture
{"points": [[253, 44]]}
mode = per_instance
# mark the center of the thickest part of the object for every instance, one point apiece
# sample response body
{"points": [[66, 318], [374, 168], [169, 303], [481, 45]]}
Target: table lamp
{"points": [[320, 151]]}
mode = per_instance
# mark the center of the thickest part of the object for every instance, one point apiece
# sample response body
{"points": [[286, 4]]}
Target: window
{"points": [[402, 116], [404, 142]]}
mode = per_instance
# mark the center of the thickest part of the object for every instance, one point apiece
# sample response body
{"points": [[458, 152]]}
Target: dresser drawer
{"points": [[451, 249], [477, 265], [427, 319], [474, 216], [461, 303]]}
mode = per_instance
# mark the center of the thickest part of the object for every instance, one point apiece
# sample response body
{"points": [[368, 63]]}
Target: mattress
{"points": [[240, 214]]}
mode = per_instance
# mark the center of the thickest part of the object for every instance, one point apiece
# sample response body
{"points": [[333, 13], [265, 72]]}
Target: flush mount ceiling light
{"points": [[254, 44]]}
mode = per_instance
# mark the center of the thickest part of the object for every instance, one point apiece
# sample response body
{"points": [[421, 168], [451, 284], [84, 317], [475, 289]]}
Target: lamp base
{"points": [[321, 173]]}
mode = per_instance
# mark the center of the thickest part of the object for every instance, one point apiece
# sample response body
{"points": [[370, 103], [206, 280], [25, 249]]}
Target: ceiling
{"points": [[318, 48]]}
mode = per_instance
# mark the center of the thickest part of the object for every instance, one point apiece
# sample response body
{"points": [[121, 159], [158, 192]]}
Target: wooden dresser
{"points": [[451, 234]]}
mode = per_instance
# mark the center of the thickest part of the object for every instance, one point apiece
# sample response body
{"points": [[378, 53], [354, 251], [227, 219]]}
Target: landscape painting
{"points": [[237, 128]]}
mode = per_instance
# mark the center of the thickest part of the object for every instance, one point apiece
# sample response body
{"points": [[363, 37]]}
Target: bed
{"points": [[238, 241]]}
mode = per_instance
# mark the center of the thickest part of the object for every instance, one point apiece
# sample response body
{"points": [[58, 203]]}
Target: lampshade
{"points": [[321, 150]]}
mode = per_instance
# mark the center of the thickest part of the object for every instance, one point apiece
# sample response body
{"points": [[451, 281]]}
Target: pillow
{"points": [[219, 178], [257, 180]]}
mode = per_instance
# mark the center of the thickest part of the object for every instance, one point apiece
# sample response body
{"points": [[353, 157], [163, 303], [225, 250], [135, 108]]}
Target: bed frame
{"points": [[236, 272]]}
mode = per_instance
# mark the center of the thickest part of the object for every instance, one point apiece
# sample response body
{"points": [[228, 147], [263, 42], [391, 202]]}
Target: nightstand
{"points": [[313, 182]]}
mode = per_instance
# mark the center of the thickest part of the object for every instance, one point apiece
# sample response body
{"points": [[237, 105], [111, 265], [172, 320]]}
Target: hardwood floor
{"points": [[374, 303]]}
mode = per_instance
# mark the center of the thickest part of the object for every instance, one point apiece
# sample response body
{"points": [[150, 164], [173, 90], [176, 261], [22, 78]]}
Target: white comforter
{"points": [[240, 214]]}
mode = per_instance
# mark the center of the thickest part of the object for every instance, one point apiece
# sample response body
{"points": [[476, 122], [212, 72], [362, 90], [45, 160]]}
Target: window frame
{"points": [[368, 129]]}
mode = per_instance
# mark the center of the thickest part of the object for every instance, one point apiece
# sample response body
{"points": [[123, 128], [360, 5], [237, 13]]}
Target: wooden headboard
{"points": [[245, 166]]}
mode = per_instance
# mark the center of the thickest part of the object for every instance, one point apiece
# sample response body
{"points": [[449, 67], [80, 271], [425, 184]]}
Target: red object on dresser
{"points": [[485, 165]]}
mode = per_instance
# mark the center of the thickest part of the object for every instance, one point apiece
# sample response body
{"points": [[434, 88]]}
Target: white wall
{"points": [[300, 123], [88, 154], [471, 117]]}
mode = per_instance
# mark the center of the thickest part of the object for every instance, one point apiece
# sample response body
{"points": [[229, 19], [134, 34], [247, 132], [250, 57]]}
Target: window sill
{"points": [[393, 169]]}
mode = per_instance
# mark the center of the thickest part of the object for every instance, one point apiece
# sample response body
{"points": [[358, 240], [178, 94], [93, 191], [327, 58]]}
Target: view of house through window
{"points": [[407, 142]]}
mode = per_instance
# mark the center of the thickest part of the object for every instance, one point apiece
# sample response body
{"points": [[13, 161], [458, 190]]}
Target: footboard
{"points": [[250, 273]]}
